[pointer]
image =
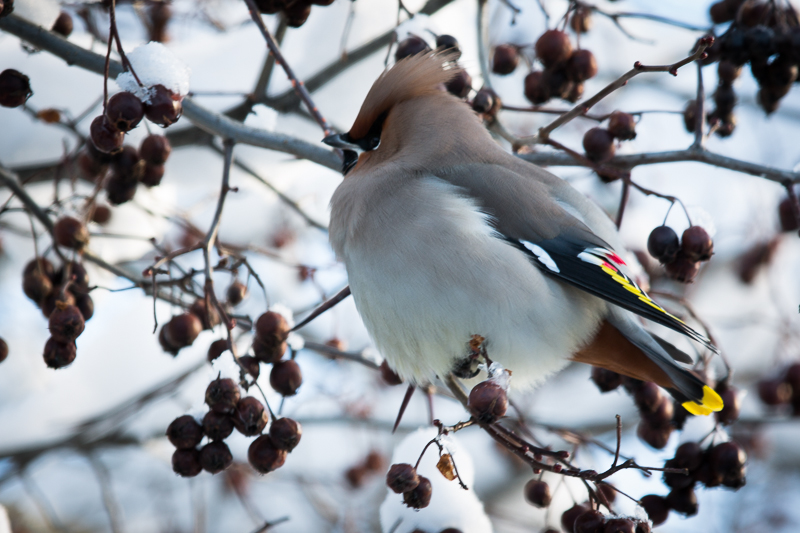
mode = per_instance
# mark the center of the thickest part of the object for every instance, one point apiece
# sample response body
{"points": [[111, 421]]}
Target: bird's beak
{"points": [[337, 140]]}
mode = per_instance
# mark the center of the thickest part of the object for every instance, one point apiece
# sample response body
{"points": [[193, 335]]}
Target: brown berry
{"points": [[217, 426], [355, 475], [36, 286], [164, 108], [620, 525], [606, 380], [569, 516], [216, 348], [56, 297], [553, 47], [15, 88], [186, 463], [420, 496], [184, 432], [237, 292], [683, 501], [655, 436], [264, 456], [537, 90], [581, 66], [70, 233], [599, 144], [663, 244], [124, 111], [250, 417], [537, 493], [59, 354], [222, 395], [272, 328], [63, 24], [374, 461], [66, 323], [285, 433], [590, 521], [732, 404], [787, 217], [389, 376], [105, 136], [662, 414], [690, 116], [677, 480], [774, 391], [85, 305], [155, 149], [505, 59], [402, 477], [648, 397], [697, 244], [488, 401], [297, 13], [165, 344], [119, 190], [581, 20], [3, 350], [209, 316], [656, 507], [251, 365], [460, 85], [182, 330], [215, 457], [152, 175], [727, 458], [622, 126], [101, 214], [286, 377], [683, 268], [266, 353], [410, 46], [728, 72], [689, 455], [486, 102], [446, 42], [722, 11]]}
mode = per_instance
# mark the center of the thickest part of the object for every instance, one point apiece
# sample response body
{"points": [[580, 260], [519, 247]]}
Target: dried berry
{"points": [[15, 88], [266, 353], [728, 72], [505, 59], [537, 90], [36, 285], [237, 292], [56, 297], [420, 496], [590, 521], [272, 328], [66, 323], [537, 493], [374, 461], [581, 66], [164, 108], [460, 85], [215, 457], [251, 365], [402, 477], [184, 432], [599, 144], [186, 463], [155, 149], [63, 24], [105, 137], [216, 348], [85, 305], [70, 233], [410, 46], [683, 268], [683, 501], [620, 525], [182, 330], [222, 395], [553, 47], [217, 426], [581, 20], [558, 82], [389, 376], [690, 116], [285, 433], [264, 456], [286, 377], [152, 175], [725, 99], [663, 244], [488, 401], [606, 493], [250, 417], [697, 244], [622, 126], [209, 316], [120, 190], [101, 214], [569, 516], [59, 354], [124, 111], [793, 377]]}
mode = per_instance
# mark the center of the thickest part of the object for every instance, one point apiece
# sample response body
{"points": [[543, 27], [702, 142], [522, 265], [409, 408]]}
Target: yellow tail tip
{"points": [[711, 402]]}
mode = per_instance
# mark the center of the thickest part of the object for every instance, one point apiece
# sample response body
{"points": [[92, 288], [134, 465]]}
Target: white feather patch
{"points": [[543, 256]]}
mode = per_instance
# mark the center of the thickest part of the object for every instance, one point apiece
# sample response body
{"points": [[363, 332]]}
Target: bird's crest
{"points": [[412, 77]]}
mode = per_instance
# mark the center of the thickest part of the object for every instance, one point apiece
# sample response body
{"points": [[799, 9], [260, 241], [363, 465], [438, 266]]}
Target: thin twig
{"points": [[109, 501]]}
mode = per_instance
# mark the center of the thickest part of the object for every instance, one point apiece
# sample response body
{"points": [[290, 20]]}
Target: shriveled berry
{"points": [[250, 365], [285, 433], [620, 525], [119, 190], [286, 377], [460, 85], [622, 126], [59, 354], [105, 136], [420, 496], [36, 286], [553, 47], [697, 244], [410, 46], [236, 293], [15, 88], [606, 380], [209, 316], [446, 42], [215, 457], [655, 436], [487, 103], [124, 111], [186, 463], [683, 501], [599, 144], [656, 507], [101, 214], [537, 493], [663, 244], [268, 353], [537, 90], [164, 108], [402, 477], [389, 376], [505, 59], [216, 349], [581, 66], [250, 417], [182, 330], [63, 24], [569, 516], [590, 521], [581, 20], [184, 432], [70, 233], [66, 323], [683, 268], [732, 406], [155, 149], [222, 395], [264, 456], [488, 401], [40, 265], [217, 426]]}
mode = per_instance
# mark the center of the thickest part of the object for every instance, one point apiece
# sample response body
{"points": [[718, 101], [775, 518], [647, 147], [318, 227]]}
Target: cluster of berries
{"points": [[581, 518], [461, 84], [783, 389], [295, 12], [416, 490], [228, 411], [373, 463], [598, 143], [681, 257]]}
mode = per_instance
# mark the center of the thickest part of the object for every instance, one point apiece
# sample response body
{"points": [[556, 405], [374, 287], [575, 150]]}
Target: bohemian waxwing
{"points": [[445, 236]]}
